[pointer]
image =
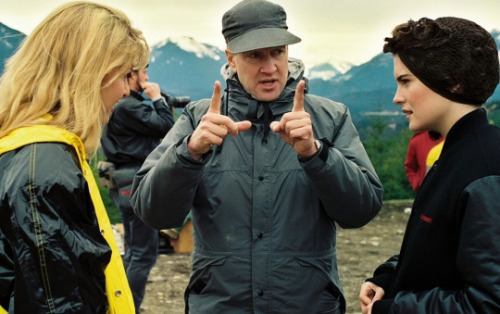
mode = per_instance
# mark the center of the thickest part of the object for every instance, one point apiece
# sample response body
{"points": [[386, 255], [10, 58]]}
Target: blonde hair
{"points": [[60, 67]]}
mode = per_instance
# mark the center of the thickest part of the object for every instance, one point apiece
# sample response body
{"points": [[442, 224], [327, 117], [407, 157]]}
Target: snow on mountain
{"points": [[328, 70], [189, 44], [184, 66], [10, 38], [9, 41], [4, 34]]}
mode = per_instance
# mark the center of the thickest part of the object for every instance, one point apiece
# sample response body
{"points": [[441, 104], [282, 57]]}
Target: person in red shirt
{"points": [[418, 148]]}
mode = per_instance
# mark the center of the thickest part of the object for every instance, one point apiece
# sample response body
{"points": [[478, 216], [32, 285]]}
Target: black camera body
{"points": [[176, 101]]}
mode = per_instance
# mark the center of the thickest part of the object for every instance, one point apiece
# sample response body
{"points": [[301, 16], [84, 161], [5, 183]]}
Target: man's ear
{"points": [[134, 75], [133, 79], [230, 59]]}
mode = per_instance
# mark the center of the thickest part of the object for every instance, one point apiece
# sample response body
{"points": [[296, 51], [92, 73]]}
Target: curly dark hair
{"points": [[454, 57]]}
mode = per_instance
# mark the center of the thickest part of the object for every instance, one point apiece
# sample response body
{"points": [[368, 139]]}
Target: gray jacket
{"points": [[264, 221]]}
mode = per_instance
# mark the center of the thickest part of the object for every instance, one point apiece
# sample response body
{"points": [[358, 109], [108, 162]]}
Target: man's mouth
{"points": [[268, 82]]}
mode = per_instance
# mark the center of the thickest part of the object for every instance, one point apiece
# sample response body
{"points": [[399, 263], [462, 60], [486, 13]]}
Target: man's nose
{"points": [[268, 65]]}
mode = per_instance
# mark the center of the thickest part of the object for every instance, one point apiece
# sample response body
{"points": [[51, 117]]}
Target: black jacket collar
{"points": [[136, 95]]}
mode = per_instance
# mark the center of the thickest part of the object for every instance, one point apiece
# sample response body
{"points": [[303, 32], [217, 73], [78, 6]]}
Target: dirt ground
{"points": [[359, 252]]}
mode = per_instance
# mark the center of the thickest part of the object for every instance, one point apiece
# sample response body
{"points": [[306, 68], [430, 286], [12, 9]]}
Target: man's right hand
{"points": [[152, 90], [214, 127]]}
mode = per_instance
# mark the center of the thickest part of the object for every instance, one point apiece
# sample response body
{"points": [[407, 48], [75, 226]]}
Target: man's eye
{"points": [[278, 52]]}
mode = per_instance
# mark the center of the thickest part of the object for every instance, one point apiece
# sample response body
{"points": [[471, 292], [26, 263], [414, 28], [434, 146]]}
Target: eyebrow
{"points": [[402, 77]]}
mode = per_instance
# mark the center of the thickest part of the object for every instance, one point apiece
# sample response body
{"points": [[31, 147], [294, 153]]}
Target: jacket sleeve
{"points": [[6, 272], [384, 274], [345, 179], [58, 251], [478, 261], [169, 170], [148, 120]]}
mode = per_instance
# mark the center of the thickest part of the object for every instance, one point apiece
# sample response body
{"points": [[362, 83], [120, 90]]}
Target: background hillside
{"points": [[9, 41], [186, 67]]}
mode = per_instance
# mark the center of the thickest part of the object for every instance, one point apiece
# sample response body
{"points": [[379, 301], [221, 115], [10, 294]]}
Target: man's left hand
{"points": [[296, 127]]}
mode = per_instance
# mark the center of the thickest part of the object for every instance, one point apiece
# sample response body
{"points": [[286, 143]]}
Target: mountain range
{"points": [[9, 41], [186, 67]]}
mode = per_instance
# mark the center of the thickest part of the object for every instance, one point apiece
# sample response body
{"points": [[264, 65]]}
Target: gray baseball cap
{"points": [[256, 24]]}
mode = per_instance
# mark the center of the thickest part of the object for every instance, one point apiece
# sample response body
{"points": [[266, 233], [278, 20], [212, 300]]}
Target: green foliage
{"points": [[388, 154], [493, 113], [113, 212]]}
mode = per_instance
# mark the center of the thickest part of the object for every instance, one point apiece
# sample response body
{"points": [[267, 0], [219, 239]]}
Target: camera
{"points": [[176, 101]]}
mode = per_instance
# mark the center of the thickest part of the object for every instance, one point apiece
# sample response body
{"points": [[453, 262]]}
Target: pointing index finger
{"points": [[216, 98], [298, 101]]}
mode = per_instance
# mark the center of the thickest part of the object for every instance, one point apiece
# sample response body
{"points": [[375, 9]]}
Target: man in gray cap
{"points": [[268, 171]]}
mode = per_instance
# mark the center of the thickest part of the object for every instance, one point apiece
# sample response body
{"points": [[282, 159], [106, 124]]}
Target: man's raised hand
{"points": [[214, 127], [295, 127]]}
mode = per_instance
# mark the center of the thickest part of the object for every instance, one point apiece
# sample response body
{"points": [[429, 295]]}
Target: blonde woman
{"points": [[57, 252]]}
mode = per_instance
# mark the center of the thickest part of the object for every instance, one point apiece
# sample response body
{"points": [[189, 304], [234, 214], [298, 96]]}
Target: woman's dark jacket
{"points": [[450, 257]]}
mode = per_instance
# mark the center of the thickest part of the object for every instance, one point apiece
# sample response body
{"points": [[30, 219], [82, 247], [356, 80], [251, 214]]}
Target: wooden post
{"points": [[184, 243]]}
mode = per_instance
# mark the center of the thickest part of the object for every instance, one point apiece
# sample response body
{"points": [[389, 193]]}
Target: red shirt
{"points": [[418, 148]]}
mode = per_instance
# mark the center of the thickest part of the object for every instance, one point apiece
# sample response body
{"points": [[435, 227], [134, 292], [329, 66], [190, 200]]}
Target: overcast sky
{"points": [[331, 30]]}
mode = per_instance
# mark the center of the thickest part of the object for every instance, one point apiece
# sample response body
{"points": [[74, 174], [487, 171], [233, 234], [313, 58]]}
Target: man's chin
{"points": [[266, 96]]}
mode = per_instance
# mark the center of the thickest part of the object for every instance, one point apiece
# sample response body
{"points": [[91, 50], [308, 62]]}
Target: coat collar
{"points": [[41, 133], [466, 125]]}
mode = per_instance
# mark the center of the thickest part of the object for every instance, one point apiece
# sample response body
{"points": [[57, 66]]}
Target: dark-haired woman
{"points": [[450, 257]]}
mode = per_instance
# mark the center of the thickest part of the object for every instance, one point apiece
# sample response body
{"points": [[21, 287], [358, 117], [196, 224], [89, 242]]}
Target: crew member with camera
{"points": [[135, 128]]}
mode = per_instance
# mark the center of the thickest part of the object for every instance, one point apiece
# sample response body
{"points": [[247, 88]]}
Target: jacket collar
{"points": [[466, 125], [136, 95]]}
